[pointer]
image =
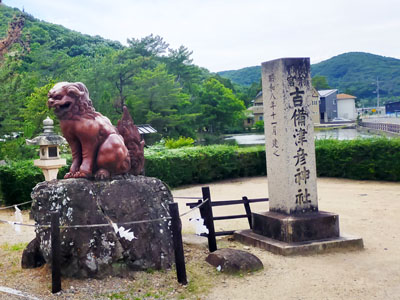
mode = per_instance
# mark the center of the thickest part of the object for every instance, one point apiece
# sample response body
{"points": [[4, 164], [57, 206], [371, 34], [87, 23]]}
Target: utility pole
{"points": [[377, 92]]}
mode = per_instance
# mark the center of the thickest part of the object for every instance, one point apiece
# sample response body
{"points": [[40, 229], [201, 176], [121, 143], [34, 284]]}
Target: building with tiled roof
{"points": [[346, 106], [345, 96]]}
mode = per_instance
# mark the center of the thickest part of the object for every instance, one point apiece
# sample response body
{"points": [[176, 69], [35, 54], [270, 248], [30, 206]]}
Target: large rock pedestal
{"points": [[101, 251]]}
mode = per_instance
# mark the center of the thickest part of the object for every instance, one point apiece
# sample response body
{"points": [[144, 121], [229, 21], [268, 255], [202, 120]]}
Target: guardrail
{"points": [[382, 126]]}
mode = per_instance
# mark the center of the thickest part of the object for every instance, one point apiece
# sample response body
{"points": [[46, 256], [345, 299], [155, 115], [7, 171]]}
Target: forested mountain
{"points": [[355, 73], [160, 85], [246, 76]]}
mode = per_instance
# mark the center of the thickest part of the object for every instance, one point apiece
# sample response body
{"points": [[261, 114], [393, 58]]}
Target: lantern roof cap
{"points": [[48, 137]]}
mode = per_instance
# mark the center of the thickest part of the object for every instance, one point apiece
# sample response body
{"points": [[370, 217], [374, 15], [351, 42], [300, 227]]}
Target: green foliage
{"points": [[204, 164], [259, 126], [355, 73], [179, 143], [320, 83], [372, 159], [180, 64], [36, 110], [362, 159], [17, 180], [245, 76], [16, 149], [220, 109], [160, 85], [159, 101]]}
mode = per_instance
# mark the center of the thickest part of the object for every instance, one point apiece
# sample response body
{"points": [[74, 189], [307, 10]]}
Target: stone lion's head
{"points": [[70, 100]]}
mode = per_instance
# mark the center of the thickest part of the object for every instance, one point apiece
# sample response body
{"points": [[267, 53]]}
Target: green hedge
{"points": [[204, 164], [363, 159], [372, 159], [17, 180]]}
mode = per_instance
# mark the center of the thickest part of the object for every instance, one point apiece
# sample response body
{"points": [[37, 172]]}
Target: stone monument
{"points": [[113, 220], [293, 217]]}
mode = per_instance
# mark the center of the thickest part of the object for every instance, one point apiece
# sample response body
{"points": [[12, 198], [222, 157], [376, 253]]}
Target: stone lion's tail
{"points": [[133, 142]]}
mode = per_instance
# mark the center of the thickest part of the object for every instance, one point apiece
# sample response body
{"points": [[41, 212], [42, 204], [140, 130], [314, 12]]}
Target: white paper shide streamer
{"points": [[124, 233], [18, 219], [198, 223]]}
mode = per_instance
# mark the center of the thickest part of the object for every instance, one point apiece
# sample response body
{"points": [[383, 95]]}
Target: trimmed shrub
{"points": [[372, 159], [204, 164], [179, 143], [17, 181]]}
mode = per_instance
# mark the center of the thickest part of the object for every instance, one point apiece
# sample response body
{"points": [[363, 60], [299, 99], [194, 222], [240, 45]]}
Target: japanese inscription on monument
{"points": [[289, 135]]}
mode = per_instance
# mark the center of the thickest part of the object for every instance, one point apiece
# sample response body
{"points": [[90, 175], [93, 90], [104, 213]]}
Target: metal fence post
{"points": [[55, 253], [248, 210], [207, 214], [176, 227]]}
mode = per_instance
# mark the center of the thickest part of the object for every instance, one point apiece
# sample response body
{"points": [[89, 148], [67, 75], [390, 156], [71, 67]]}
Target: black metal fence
{"points": [[207, 214]]}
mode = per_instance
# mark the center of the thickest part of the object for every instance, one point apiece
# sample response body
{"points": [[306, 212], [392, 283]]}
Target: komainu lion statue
{"points": [[98, 148]]}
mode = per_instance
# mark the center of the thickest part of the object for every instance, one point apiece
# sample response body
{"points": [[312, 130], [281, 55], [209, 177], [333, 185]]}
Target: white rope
{"points": [[194, 208], [12, 206], [103, 225], [125, 223], [22, 224]]}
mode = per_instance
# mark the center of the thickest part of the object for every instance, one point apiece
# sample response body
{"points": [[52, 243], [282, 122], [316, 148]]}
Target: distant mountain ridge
{"points": [[354, 73], [244, 76]]}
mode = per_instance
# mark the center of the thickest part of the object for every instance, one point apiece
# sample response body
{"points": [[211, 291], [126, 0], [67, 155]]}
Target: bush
{"points": [[259, 126], [373, 159], [17, 181], [179, 143], [204, 164], [17, 149]]}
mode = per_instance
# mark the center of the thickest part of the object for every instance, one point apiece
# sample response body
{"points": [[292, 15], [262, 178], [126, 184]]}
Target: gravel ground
{"points": [[366, 208]]}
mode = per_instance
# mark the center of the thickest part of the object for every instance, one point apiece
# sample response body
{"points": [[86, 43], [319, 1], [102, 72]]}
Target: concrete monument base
{"points": [[299, 248], [296, 227]]}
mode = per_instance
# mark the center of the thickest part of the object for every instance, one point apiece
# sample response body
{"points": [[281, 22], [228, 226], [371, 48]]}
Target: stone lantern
{"points": [[49, 142]]}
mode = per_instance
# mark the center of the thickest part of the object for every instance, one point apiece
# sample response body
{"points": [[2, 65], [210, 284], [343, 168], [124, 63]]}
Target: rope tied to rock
{"points": [[123, 223], [101, 225]]}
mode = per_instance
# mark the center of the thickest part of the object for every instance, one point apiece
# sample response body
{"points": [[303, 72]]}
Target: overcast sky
{"points": [[232, 34]]}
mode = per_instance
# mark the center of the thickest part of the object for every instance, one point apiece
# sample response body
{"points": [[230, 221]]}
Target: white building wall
{"points": [[346, 109]]}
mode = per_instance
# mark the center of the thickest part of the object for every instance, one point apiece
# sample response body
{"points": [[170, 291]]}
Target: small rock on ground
{"points": [[233, 261]]}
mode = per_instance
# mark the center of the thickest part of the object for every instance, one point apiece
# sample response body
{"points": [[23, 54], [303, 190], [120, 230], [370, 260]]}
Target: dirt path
{"points": [[367, 209]]}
